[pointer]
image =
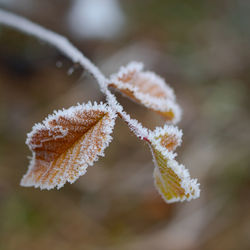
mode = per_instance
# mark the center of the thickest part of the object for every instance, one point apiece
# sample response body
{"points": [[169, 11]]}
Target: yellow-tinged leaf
{"points": [[172, 180], [66, 143], [148, 89]]}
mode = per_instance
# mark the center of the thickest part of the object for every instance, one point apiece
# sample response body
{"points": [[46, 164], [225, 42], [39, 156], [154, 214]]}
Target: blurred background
{"points": [[202, 50]]}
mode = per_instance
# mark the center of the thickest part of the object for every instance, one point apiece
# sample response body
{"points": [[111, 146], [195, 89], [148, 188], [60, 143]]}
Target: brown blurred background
{"points": [[202, 49]]}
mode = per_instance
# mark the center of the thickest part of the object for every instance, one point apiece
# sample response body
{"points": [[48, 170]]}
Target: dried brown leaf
{"points": [[148, 89], [66, 143]]}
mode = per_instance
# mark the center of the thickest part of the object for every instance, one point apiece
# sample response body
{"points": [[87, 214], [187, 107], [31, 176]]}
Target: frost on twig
{"points": [[148, 89], [68, 49], [66, 143]]}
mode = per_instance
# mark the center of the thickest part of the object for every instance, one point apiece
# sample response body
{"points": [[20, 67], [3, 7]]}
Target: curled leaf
{"points": [[172, 179], [66, 143], [148, 89]]}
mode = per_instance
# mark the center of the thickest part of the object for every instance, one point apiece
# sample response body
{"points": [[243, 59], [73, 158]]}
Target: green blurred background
{"points": [[202, 50]]}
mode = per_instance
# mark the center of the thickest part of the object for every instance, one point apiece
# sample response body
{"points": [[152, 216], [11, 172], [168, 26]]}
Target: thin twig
{"points": [[76, 56]]}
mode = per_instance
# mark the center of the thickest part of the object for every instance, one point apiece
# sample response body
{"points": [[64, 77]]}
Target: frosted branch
{"points": [[76, 56], [70, 140]]}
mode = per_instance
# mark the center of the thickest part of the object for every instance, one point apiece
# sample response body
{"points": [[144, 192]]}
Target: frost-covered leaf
{"points": [[172, 179], [66, 143], [168, 137], [148, 89]]}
